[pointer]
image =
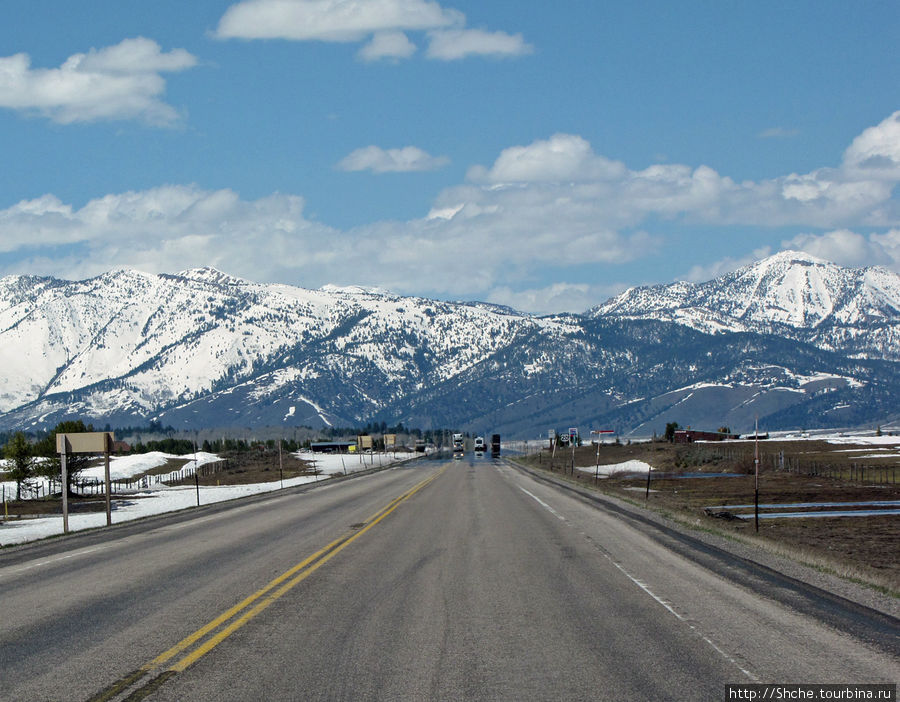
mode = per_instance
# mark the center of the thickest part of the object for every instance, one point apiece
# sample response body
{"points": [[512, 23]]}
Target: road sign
{"points": [[85, 442], [602, 434]]}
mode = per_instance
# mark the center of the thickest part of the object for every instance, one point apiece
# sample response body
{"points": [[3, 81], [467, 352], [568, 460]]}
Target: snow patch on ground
{"points": [[611, 468], [864, 440], [161, 498], [832, 438], [124, 467]]}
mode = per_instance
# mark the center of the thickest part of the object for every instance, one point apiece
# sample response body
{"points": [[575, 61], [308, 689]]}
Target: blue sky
{"points": [[542, 155]]}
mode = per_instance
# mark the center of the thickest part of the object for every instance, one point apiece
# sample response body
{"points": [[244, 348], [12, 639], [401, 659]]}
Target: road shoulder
{"points": [[856, 593]]}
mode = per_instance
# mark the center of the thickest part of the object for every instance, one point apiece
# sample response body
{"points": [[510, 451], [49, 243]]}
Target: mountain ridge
{"points": [[789, 294], [203, 348]]}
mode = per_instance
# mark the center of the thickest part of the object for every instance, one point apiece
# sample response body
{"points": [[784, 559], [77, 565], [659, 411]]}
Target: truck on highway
{"points": [[495, 445]]}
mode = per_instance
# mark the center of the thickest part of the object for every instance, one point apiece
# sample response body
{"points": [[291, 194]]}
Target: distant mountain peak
{"points": [[791, 256], [212, 275], [823, 303], [354, 290]]}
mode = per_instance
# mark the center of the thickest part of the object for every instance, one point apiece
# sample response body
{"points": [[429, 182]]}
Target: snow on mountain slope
{"points": [[791, 294], [153, 341], [203, 348]]}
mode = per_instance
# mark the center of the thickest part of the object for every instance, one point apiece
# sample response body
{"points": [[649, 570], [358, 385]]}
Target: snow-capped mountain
{"points": [[132, 344], [790, 294], [795, 340]]}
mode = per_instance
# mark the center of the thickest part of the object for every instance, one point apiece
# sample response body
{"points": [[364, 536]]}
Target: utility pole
{"points": [[196, 471], [107, 442], [65, 491], [573, 457], [756, 472]]}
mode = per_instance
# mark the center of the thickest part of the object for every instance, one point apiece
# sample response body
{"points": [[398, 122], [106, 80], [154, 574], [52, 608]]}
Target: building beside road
{"points": [[333, 447], [688, 436]]}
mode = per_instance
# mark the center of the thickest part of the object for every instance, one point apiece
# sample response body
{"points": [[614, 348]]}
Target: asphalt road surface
{"points": [[455, 580]]}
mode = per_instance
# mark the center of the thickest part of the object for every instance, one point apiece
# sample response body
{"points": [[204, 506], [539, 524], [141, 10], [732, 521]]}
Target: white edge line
{"points": [[661, 601], [543, 504], [669, 608], [50, 561]]}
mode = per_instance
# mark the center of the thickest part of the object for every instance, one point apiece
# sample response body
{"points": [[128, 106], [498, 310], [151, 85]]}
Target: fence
{"points": [[778, 462], [178, 476], [42, 488], [96, 486]]}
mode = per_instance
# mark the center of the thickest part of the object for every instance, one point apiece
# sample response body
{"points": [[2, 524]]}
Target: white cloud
{"points": [[890, 244], [849, 248], [162, 229], [842, 246], [558, 297], [378, 160], [176, 227], [120, 82], [564, 173], [700, 274], [563, 157], [139, 55], [387, 45], [384, 23], [331, 20], [875, 154], [454, 44], [858, 192], [534, 213]]}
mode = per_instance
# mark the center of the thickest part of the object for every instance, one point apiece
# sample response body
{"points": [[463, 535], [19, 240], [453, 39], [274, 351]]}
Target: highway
{"points": [[438, 580]]}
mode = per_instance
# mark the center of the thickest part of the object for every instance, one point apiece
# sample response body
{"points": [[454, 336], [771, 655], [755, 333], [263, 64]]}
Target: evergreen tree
{"points": [[75, 462], [18, 453], [671, 427]]}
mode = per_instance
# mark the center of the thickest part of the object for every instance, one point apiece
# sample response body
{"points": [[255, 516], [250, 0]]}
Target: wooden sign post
{"points": [[84, 442]]}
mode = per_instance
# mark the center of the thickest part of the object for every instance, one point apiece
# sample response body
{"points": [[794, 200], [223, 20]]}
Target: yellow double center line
{"points": [[247, 609]]}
